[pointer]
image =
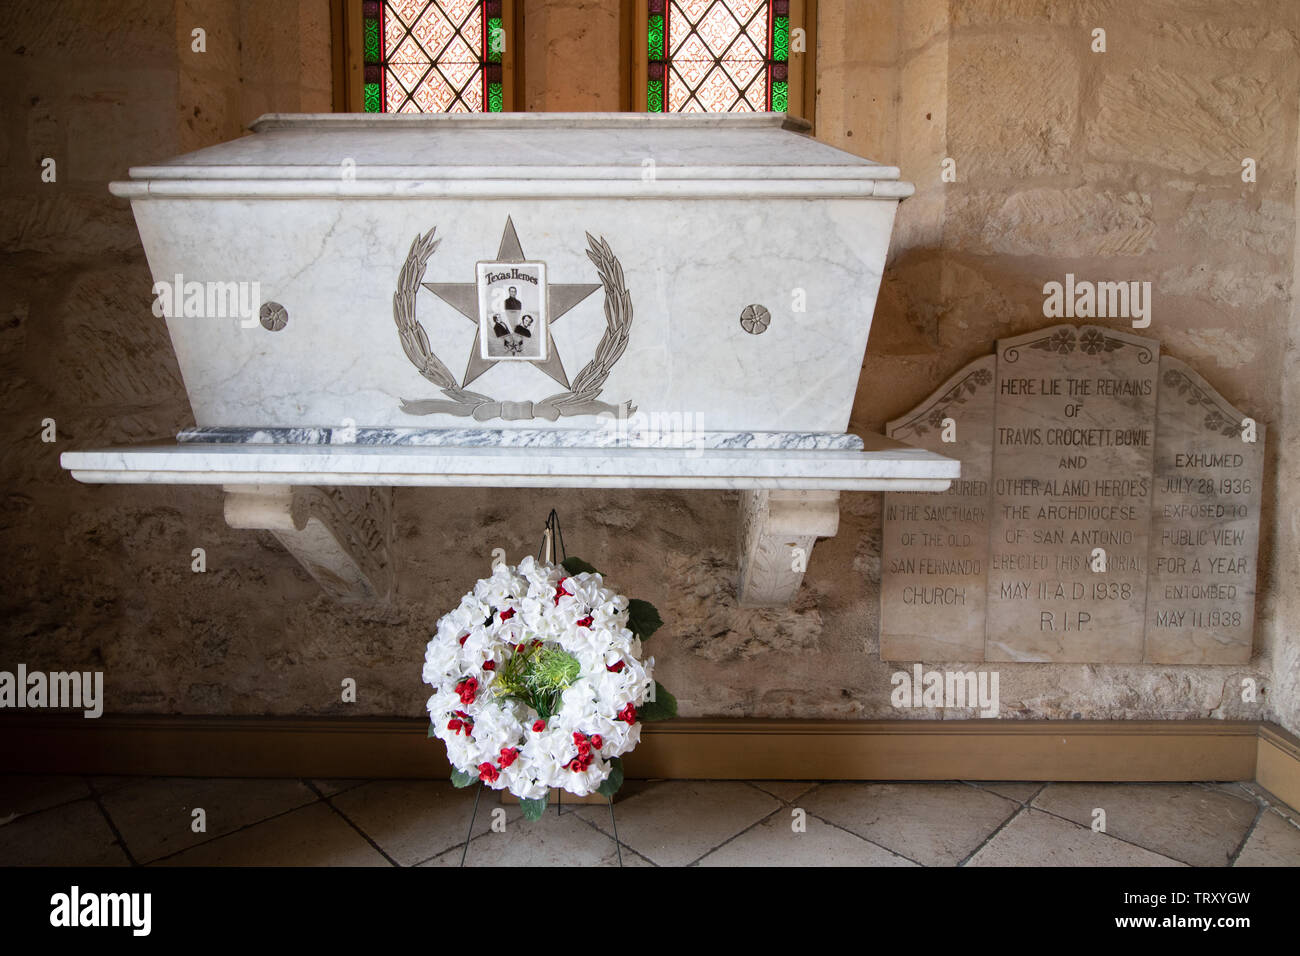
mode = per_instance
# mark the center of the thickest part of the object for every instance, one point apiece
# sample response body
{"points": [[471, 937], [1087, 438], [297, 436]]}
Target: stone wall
{"points": [[1115, 165]]}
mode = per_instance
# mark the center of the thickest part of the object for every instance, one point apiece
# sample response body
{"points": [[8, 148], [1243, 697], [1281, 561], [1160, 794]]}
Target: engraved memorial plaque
{"points": [[1072, 453], [934, 547], [1120, 500], [1204, 525]]}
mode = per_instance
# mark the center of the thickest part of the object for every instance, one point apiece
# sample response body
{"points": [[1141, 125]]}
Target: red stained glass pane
{"points": [[434, 55], [718, 53]]}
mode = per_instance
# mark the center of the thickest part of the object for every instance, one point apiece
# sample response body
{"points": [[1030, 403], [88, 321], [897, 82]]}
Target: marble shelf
{"points": [[883, 465]]}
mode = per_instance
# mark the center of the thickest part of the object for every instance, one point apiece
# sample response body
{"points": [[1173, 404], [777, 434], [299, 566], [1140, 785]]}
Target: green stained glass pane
{"points": [[372, 98], [654, 96], [496, 39], [780, 95], [781, 40], [496, 101], [656, 37], [372, 41]]}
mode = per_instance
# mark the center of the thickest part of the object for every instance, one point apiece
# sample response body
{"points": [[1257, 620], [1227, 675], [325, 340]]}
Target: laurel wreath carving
{"points": [[587, 385], [1217, 418], [925, 419]]}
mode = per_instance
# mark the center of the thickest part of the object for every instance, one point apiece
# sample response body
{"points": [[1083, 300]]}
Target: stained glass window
{"points": [[718, 56], [432, 56]]}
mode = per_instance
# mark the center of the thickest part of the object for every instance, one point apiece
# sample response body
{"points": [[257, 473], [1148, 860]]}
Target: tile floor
{"points": [[151, 821]]}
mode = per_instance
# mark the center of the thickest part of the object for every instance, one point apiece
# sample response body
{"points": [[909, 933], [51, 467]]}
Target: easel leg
{"points": [[473, 816], [614, 826]]}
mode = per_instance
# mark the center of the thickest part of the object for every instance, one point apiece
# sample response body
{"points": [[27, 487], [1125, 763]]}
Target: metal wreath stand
{"points": [[552, 538]]}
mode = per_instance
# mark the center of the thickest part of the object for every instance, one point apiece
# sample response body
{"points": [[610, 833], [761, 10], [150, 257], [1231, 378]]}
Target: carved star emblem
{"points": [[560, 298]]}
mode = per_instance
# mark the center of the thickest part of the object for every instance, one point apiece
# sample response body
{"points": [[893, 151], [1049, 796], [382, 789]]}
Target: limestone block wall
{"points": [[1115, 165]]}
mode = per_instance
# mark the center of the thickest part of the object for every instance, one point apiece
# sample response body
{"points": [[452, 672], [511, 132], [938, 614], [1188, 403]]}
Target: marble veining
{"points": [[612, 437]]}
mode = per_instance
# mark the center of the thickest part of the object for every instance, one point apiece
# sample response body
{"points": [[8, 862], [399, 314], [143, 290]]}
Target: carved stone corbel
{"points": [[777, 532], [341, 535]]}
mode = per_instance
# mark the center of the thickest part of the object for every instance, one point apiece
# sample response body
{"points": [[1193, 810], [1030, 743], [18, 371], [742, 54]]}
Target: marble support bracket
{"points": [[777, 533], [343, 536]]}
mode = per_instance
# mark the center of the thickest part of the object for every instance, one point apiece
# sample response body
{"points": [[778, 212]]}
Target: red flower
{"points": [[559, 590], [454, 725], [466, 689], [579, 763], [616, 667], [539, 725], [487, 772], [508, 755], [597, 742], [628, 714], [489, 665], [507, 614], [584, 621], [519, 647], [463, 639], [579, 736]]}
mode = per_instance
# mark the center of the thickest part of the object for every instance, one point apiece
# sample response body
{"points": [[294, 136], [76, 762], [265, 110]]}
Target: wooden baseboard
{"points": [[1277, 768], [683, 749]]}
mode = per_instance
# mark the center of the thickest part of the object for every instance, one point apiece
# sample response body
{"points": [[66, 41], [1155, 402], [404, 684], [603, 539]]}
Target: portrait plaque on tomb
{"points": [[1120, 496], [936, 546], [1073, 439]]}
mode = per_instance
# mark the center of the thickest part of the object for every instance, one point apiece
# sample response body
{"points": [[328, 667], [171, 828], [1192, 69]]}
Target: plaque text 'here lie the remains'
{"points": [[1108, 511]]}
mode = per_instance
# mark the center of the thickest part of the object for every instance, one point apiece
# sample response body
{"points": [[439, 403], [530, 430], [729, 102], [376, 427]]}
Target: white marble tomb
{"points": [[549, 300]]}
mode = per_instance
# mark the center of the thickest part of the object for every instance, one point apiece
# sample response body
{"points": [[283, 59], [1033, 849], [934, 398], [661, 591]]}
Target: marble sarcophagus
{"points": [[573, 300]]}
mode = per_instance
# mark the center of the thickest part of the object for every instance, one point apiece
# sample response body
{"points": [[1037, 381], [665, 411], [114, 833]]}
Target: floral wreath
{"points": [[538, 681]]}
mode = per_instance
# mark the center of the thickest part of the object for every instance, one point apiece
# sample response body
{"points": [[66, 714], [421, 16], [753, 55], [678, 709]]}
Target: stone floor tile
{"points": [[557, 839], [107, 784], [1035, 838], [313, 835], [785, 790], [414, 820], [75, 834], [155, 815], [1194, 824], [1275, 841], [775, 843], [679, 821], [1267, 798], [23, 793], [331, 787], [1236, 789], [935, 824], [1016, 790]]}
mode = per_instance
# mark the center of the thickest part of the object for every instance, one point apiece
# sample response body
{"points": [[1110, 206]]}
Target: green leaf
{"points": [[663, 707], [533, 809], [615, 779], [460, 779], [431, 733], [642, 618], [577, 566]]}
